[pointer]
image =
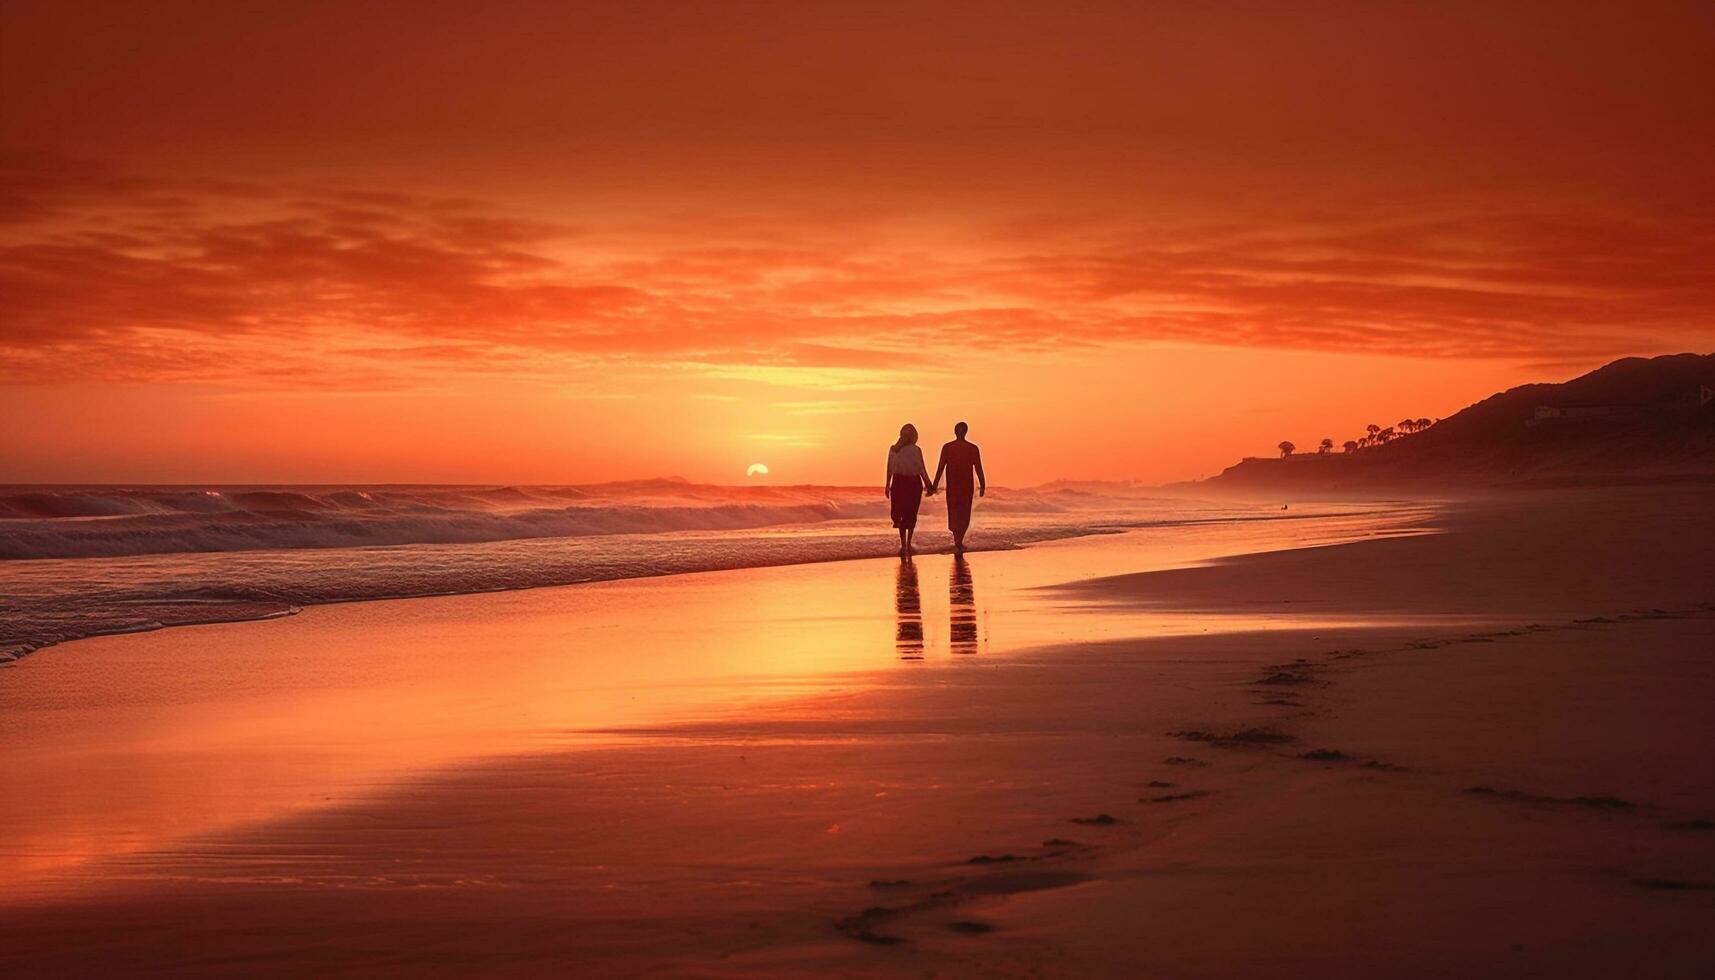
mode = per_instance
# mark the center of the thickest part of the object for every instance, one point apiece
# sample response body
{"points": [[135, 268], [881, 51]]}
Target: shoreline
{"points": [[22, 629]]}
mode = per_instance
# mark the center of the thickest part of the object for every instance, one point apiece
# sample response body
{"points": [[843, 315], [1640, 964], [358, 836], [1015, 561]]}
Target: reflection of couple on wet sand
{"points": [[961, 610], [908, 480]]}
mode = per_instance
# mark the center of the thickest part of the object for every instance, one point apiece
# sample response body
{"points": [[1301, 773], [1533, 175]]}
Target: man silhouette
{"points": [[959, 461]]}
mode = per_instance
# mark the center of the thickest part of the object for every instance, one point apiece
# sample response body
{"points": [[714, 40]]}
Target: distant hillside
{"points": [[1635, 420]]}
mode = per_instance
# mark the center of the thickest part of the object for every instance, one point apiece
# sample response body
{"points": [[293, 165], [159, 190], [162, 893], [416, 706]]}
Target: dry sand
{"points": [[1482, 751]]}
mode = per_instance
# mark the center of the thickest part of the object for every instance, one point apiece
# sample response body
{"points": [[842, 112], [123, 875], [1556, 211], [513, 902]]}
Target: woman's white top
{"points": [[908, 461]]}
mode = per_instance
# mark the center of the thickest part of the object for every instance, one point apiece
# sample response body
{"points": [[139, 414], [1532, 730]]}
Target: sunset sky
{"points": [[568, 242]]}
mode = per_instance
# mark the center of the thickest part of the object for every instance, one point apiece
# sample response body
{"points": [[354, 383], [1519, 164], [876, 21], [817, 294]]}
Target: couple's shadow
{"points": [[961, 610]]}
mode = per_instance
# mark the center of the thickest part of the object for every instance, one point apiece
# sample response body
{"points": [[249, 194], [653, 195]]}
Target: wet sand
{"points": [[1480, 750]]}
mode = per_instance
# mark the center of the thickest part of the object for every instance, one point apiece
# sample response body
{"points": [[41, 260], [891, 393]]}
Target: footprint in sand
{"points": [[1335, 755], [866, 926], [859, 927], [1175, 797], [1245, 736], [1519, 796]]}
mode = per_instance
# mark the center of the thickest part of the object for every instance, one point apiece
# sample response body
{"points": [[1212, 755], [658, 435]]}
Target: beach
{"points": [[1412, 740]]}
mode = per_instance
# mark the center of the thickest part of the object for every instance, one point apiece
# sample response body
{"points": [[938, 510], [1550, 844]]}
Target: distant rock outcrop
{"points": [[1635, 420]]}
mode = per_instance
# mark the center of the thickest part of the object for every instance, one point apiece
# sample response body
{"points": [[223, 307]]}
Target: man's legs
{"points": [[958, 518]]}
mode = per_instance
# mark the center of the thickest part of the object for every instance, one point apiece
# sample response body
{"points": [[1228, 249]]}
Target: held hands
{"points": [[982, 491]]}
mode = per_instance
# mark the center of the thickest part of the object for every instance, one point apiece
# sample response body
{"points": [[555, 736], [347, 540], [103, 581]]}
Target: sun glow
{"points": [[756, 469]]}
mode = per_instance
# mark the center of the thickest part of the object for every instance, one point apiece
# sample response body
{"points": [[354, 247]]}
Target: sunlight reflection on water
{"points": [[119, 744]]}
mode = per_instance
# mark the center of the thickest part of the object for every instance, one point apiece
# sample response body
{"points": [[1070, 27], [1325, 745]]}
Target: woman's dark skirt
{"points": [[907, 498]]}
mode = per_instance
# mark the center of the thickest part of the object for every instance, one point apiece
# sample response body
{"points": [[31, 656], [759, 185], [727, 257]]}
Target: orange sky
{"points": [[508, 242]]}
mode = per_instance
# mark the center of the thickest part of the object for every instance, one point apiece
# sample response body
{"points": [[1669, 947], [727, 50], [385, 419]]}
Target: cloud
{"points": [[824, 407], [114, 277]]}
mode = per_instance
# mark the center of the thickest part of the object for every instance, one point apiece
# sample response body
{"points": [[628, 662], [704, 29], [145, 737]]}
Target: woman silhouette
{"points": [[907, 476]]}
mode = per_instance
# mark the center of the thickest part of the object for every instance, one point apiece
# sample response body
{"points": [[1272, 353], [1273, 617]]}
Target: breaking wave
{"points": [[91, 522]]}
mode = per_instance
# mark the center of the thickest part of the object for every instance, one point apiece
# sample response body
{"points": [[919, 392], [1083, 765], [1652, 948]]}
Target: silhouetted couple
{"points": [[908, 480]]}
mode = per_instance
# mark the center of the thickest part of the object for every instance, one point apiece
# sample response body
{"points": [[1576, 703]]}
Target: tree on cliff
{"points": [[1286, 448]]}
